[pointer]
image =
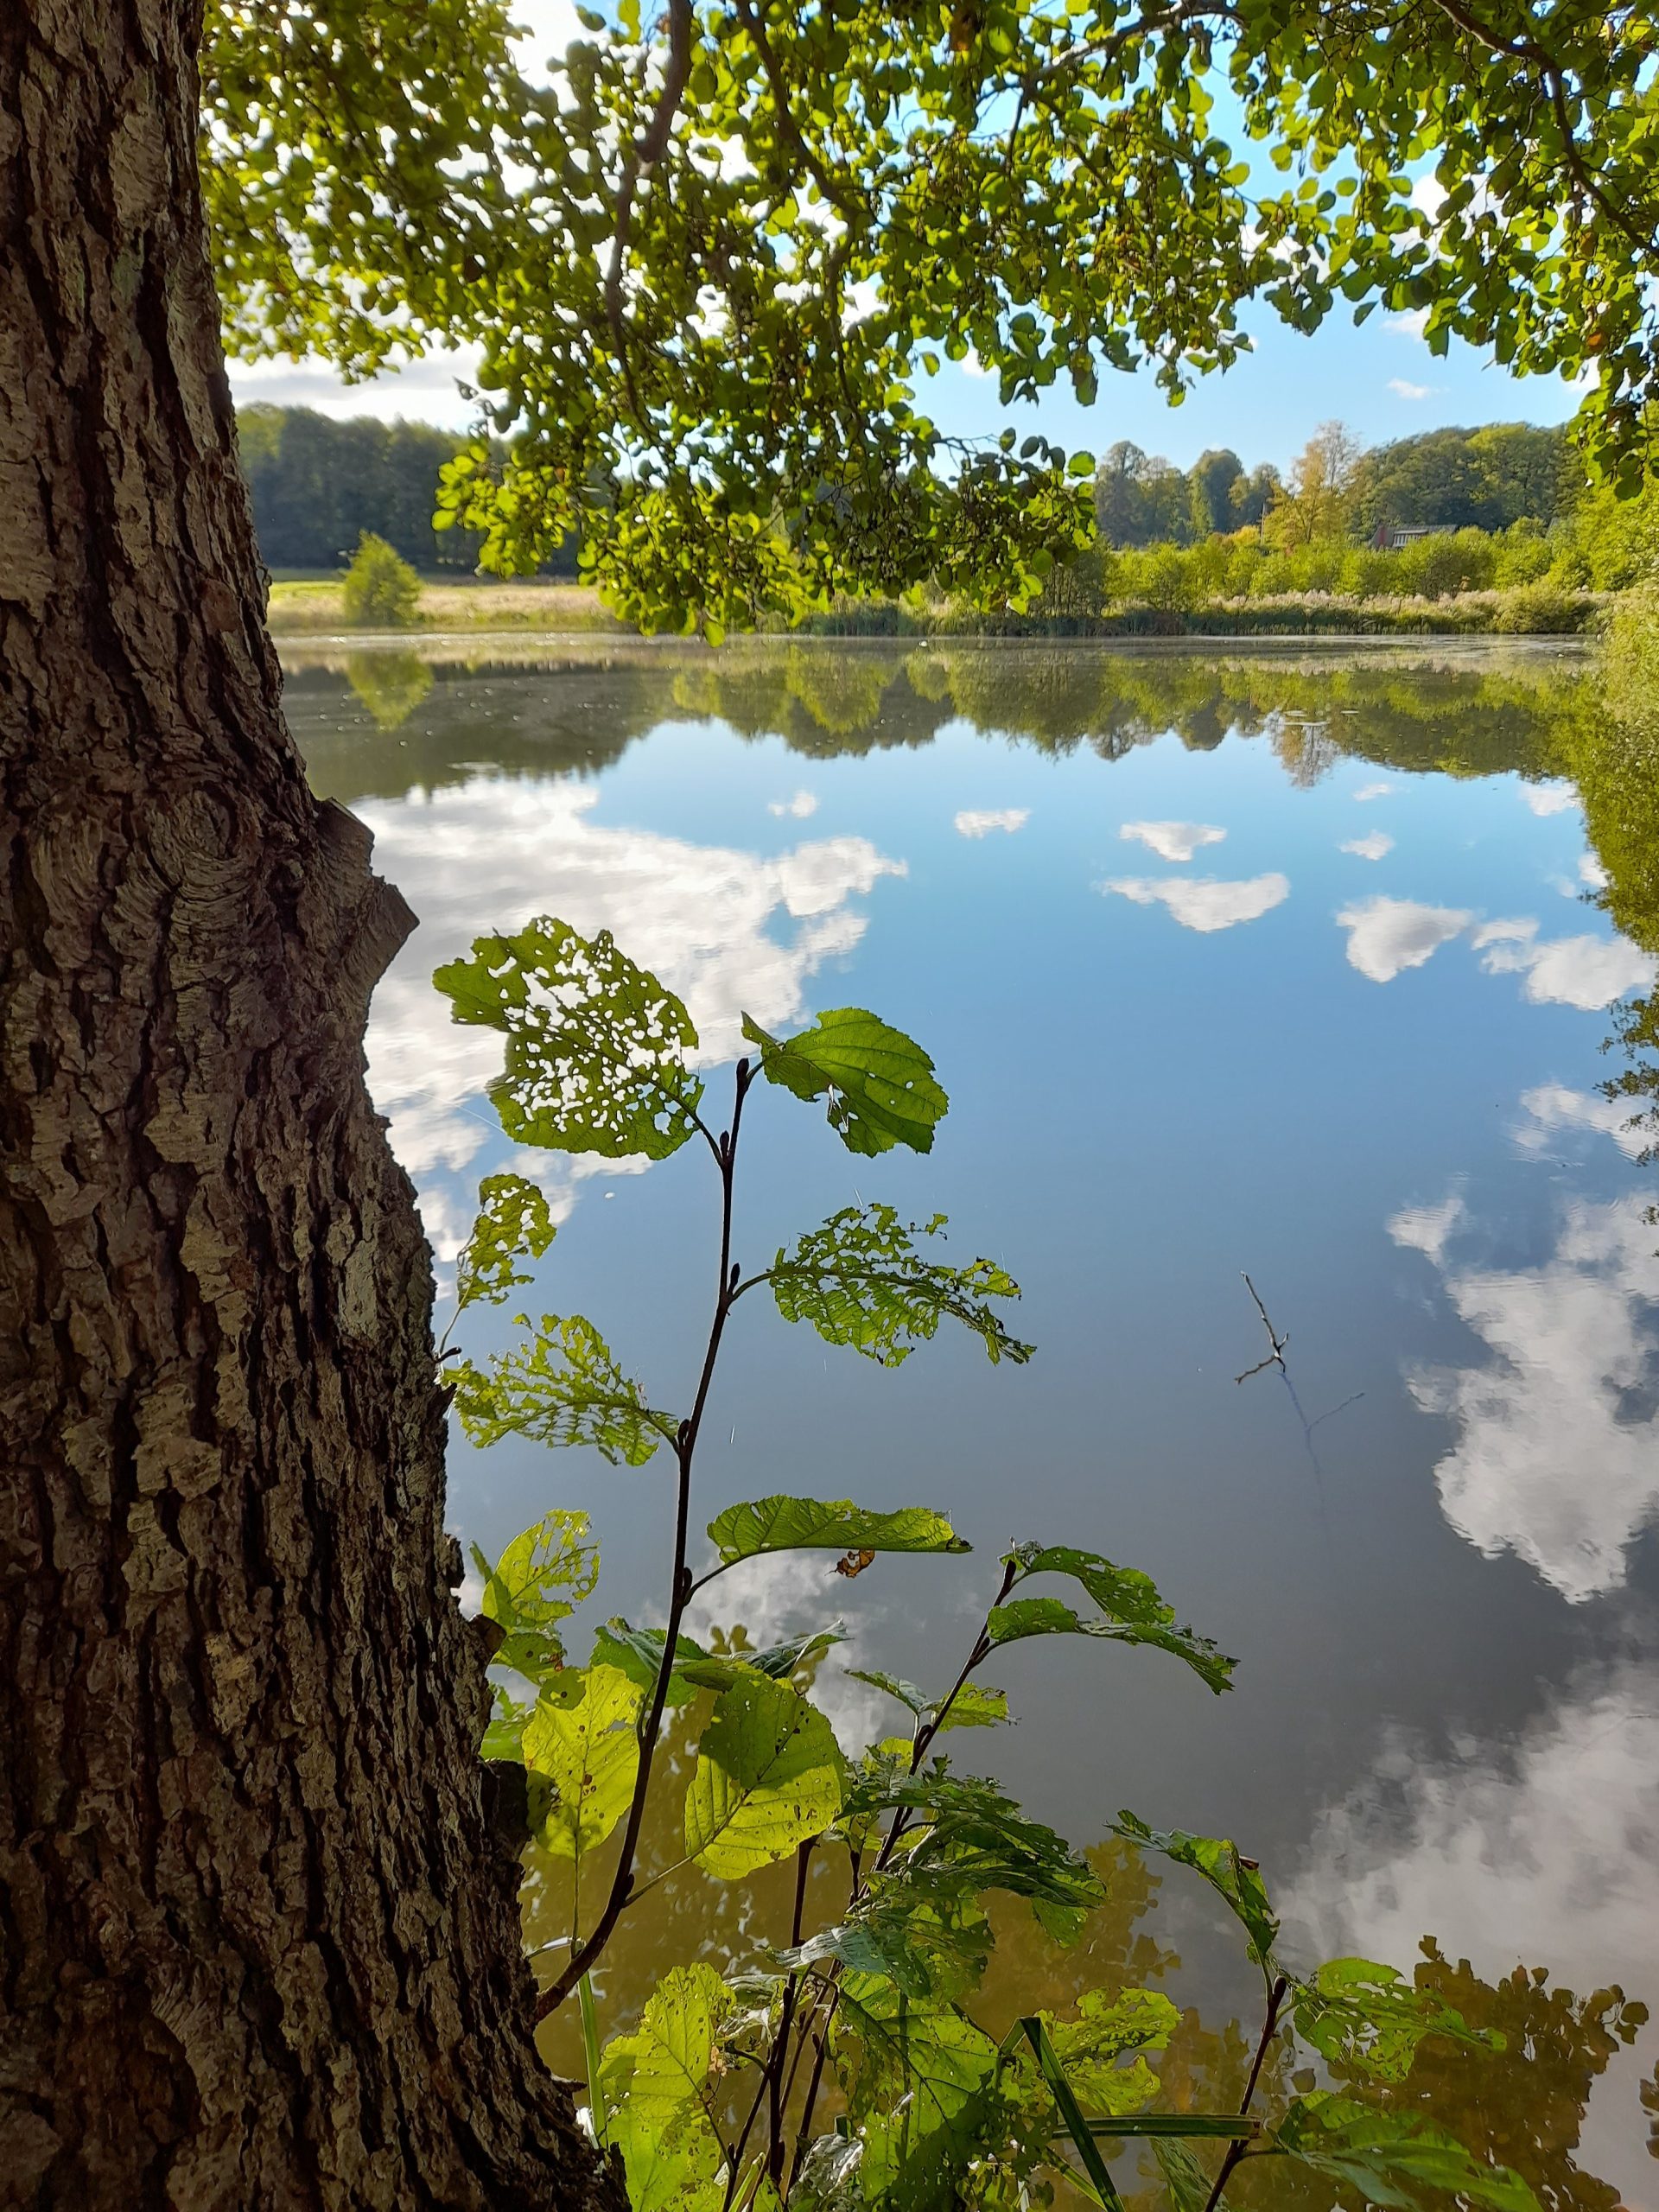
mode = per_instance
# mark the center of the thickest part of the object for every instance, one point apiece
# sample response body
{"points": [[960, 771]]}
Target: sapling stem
{"points": [[1237, 2151], [590, 2051], [685, 1445]]}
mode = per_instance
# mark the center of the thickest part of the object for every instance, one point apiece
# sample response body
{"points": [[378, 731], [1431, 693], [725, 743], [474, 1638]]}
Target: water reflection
{"points": [[1444, 1721]]}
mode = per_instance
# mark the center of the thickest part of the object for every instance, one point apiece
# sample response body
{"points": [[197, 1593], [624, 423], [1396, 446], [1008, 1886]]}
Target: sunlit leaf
{"points": [[638, 1652], [656, 2086], [589, 1752], [929, 1949], [861, 1281], [913, 2073], [1220, 1863], [512, 1220], [596, 1048], [768, 1778], [504, 1737], [790, 1524], [879, 1082], [1391, 2157], [1105, 2031], [560, 1387], [967, 1835], [1370, 2019], [538, 1579], [1132, 1611], [975, 1705]]}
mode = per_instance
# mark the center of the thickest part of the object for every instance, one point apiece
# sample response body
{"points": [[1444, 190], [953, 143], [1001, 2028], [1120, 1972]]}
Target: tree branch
{"points": [[646, 152]]}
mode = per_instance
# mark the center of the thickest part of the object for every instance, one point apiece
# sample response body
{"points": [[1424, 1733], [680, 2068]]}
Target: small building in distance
{"points": [[1389, 537]]}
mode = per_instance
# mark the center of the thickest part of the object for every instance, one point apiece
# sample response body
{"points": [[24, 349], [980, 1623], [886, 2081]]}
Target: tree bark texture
{"points": [[258, 1945]]}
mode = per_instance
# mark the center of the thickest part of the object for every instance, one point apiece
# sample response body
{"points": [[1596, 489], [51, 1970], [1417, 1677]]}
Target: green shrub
{"points": [[1543, 609], [1523, 556], [381, 591]]}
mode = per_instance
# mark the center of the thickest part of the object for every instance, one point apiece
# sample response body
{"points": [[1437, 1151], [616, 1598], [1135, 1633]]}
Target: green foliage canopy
{"points": [[712, 264]]}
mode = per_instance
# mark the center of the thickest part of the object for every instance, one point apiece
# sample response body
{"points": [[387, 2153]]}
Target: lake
{"points": [[1232, 964]]}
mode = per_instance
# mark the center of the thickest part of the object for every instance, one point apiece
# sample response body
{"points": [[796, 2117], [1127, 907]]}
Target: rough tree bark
{"points": [[257, 1946]]}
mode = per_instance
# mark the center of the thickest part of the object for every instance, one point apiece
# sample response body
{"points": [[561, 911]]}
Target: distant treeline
{"points": [[317, 485], [1489, 479]]}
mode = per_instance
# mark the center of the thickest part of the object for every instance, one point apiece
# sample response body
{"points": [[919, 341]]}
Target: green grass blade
{"points": [[590, 2050], [1229, 2125], [1076, 2126]]}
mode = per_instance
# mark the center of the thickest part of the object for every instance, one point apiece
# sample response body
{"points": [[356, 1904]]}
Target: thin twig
{"points": [[643, 155], [1235, 2151], [1276, 1357]]}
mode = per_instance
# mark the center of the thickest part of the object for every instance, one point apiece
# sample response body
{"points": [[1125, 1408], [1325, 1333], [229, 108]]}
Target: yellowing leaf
{"points": [[512, 1218], [589, 1752], [768, 1776]]}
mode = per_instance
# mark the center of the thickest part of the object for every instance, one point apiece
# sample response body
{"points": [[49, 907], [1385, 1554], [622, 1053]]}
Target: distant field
{"points": [[312, 607]]}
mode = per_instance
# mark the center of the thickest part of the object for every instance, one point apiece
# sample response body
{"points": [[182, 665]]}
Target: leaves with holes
{"points": [[1390, 2158], [861, 1281], [656, 2084], [879, 1082], [1093, 2046], [561, 1386], [1368, 2019], [794, 1524], [1228, 1872], [537, 1581], [589, 1750], [638, 1652], [917, 2075], [966, 1835], [926, 1947], [768, 1778], [596, 1056], [513, 1220], [975, 1705], [1132, 1611]]}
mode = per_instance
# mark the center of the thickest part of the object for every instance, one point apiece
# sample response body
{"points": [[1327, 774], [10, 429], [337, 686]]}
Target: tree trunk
{"points": [[259, 1947]]}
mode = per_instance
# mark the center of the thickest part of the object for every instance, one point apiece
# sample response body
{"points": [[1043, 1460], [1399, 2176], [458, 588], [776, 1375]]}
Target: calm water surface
{"points": [[1265, 965]]}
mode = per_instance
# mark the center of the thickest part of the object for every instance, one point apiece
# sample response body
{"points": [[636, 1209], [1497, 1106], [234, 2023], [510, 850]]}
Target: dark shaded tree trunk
{"points": [[257, 1947]]}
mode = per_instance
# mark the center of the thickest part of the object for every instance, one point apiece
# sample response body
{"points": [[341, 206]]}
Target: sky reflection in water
{"points": [[1231, 967]]}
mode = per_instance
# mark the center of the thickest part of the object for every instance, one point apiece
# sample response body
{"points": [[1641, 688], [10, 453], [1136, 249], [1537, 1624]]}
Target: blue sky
{"points": [[1380, 378]]}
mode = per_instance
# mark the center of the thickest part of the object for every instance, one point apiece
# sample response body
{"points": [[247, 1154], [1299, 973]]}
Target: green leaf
{"points": [[1185, 2180], [1132, 1611], [879, 1082], [1370, 2019], [1100, 2181], [1389, 2157], [915, 2075], [596, 1048], [1107, 2030], [657, 2091], [795, 1524], [928, 1949], [512, 1218], [522, 1590], [906, 1693], [504, 1737], [1220, 1863], [589, 1750], [768, 1778], [638, 1652], [975, 1705], [968, 1836], [860, 1281], [563, 1387]]}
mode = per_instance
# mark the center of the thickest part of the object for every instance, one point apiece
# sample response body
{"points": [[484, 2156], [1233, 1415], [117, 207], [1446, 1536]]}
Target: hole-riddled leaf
{"points": [[512, 1220], [1221, 1865], [768, 1778], [589, 1752], [656, 2084], [1107, 2030], [560, 1387], [538, 1579], [596, 1048], [860, 1281], [879, 1082], [915, 2074], [638, 1652], [1391, 2157], [794, 1524], [1368, 2019], [1132, 1612]]}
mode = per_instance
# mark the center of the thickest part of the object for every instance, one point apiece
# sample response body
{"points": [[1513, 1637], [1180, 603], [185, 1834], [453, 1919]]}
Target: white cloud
{"points": [[495, 852], [1553, 1106], [1535, 1853], [1582, 971], [1403, 389], [544, 28], [1388, 935], [1202, 902], [1368, 791], [1369, 848], [972, 366], [1428, 194], [1411, 324], [1426, 1229], [1173, 840], [1555, 1459], [785, 1594], [799, 807], [1550, 798], [979, 822], [426, 390], [1591, 874]]}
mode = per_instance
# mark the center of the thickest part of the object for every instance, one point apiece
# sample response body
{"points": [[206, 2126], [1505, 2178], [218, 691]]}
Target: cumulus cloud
{"points": [[1557, 1450], [1547, 1842], [729, 931], [1367, 791], [1582, 971], [980, 820], [787, 1594], [1388, 935], [1369, 848], [1550, 798], [1404, 389], [1553, 1106], [1426, 1229], [798, 808], [1412, 323], [1173, 841], [1204, 902]]}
